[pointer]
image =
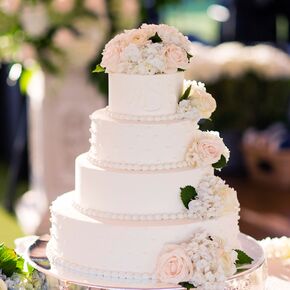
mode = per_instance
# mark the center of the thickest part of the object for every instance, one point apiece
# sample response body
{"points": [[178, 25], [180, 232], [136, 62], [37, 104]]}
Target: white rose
{"points": [[63, 6], [176, 57], [200, 99], [170, 34], [208, 147], [174, 265], [138, 37], [3, 285], [10, 6], [34, 20], [204, 103], [228, 196], [149, 29]]}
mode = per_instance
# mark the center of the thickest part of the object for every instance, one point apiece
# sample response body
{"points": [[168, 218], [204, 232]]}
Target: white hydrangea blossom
{"points": [[134, 52], [213, 261], [214, 199], [276, 248], [199, 100]]}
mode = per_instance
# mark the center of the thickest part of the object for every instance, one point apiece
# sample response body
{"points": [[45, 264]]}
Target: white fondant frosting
{"points": [[126, 193], [145, 95], [116, 142], [123, 247]]}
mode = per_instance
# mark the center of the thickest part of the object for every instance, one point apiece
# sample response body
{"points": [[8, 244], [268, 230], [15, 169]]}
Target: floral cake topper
{"points": [[150, 49]]}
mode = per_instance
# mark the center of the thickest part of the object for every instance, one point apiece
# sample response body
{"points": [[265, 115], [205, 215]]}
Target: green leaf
{"points": [[187, 285], [187, 194], [221, 163], [8, 260], [243, 259], [180, 69], [189, 56], [155, 38], [185, 94], [98, 69]]}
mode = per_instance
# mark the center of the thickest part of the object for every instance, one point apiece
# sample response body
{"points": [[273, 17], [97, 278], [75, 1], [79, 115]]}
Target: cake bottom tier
{"points": [[121, 249]]}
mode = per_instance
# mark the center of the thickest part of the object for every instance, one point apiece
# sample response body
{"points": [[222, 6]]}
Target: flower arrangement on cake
{"points": [[150, 49], [16, 274]]}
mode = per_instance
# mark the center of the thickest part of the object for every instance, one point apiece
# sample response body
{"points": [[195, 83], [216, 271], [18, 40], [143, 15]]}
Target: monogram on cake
{"points": [[147, 205]]}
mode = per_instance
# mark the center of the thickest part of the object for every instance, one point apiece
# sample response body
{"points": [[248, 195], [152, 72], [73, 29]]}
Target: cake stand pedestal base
{"points": [[253, 278]]}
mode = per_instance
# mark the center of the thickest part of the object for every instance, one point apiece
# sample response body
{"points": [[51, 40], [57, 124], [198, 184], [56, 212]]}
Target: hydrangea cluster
{"points": [[197, 99], [277, 247], [207, 148], [35, 281], [205, 262], [214, 198], [151, 49]]}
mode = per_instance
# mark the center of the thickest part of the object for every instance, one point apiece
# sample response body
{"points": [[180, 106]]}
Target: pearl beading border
{"points": [[93, 213], [194, 116], [98, 273], [138, 167]]}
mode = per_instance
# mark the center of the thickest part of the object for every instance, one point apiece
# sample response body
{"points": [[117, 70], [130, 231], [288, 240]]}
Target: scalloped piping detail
{"points": [[84, 270], [138, 167], [93, 213], [194, 116]]}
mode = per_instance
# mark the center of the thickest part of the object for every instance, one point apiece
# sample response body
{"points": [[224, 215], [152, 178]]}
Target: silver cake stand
{"points": [[251, 278]]}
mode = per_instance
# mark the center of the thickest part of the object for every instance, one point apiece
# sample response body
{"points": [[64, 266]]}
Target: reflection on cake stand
{"points": [[253, 278]]}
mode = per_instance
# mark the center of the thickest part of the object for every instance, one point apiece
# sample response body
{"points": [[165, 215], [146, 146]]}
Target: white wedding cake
{"points": [[147, 205]]}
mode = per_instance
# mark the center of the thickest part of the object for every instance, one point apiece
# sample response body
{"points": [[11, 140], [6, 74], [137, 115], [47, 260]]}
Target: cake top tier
{"points": [[146, 79], [150, 49]]}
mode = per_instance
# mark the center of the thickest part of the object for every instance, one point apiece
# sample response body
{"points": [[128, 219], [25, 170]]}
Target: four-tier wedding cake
{"points": [[147, 205]]}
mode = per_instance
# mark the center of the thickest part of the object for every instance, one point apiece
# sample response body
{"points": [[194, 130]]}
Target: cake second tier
{"points": [[139, 145]]}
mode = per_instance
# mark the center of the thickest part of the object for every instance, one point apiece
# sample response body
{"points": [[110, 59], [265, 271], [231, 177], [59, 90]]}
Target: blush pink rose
{"points": [[174, 265], [210, 148], [138, 37], [176, 57], [206, 148], [111, 57]]}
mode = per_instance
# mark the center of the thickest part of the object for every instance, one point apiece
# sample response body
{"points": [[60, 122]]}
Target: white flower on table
{"points": [[174, 265], [207, 148], [3, 285], [276, 247]]}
